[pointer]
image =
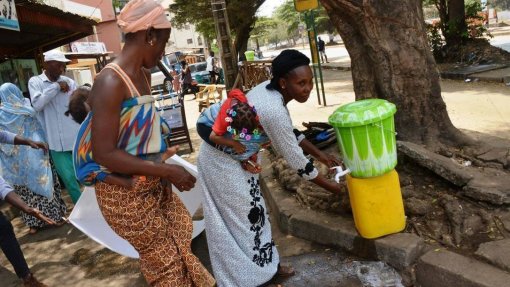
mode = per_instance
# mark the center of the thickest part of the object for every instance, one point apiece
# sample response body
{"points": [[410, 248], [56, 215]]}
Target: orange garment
{"points": [[159, 227]]}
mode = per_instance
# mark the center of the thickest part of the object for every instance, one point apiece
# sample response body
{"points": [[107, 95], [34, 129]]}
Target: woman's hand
{"points": [[39, 215], [329, 160], [335, 187], [179, 177], [38, 145], [328, 185]]}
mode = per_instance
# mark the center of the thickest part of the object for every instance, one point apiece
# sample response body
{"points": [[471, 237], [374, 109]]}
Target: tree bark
{"points": [[242, 37], [456, 23], [391, 59]]}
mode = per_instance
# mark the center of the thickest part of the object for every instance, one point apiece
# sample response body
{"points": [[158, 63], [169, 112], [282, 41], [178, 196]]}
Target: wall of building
{"points": [[184, 39], [107, 30]]}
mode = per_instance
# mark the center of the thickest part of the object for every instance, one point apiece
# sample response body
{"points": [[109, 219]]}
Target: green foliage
{"points": [[197, 12], [287, 13], [436, 41], [476, 28], [241, 14], [475, 20], [263, 27]]}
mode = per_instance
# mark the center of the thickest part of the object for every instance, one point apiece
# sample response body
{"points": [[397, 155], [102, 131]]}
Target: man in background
{"points": [[322, 50], [50, 93]]}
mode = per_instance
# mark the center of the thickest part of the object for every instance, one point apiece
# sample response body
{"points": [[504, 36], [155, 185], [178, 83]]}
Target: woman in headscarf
{"points": [[30, 171], [126, 136], [237, 222]]}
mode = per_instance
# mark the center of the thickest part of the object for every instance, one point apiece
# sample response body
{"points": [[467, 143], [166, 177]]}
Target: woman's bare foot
{"points": [[33, 230], [285, 271], [31, 281]]}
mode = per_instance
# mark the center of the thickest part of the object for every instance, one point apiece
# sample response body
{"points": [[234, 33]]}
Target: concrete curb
{"points": [[398, 250], [444, 268], [403, 251]]}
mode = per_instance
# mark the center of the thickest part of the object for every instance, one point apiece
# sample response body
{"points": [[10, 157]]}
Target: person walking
{"points": [[176, 82], [187, 81], [126, 136], [50, 93], [322, 49], [211, 67], [8, 242]]}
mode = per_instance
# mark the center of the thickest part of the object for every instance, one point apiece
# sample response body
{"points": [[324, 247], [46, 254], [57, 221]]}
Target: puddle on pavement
{"points": [[374, 274]]}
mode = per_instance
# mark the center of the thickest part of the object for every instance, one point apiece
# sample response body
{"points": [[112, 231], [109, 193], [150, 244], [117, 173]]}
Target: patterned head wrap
{"points": [[140, 15], [287, 61]]}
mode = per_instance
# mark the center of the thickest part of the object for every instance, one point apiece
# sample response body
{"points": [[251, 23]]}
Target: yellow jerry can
{"points": [[377, 204]]}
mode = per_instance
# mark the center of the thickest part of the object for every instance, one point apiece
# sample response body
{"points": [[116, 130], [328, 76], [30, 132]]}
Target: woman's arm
{"points": [[16, 201], [277, 124], [327, 159], [106, 97], [19, 140]]}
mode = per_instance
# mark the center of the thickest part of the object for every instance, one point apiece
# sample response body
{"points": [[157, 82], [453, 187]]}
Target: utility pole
{"points": [[228, 53]]}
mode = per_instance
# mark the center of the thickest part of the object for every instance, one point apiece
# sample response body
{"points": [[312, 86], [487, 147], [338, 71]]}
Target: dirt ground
{"points": [[65, 257]]}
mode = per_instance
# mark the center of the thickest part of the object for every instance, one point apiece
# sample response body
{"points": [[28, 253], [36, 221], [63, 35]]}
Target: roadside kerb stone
{"points": [[496, 252], [443, 268], [441, 165], [336, 67], [398, 250], [489, 185]]}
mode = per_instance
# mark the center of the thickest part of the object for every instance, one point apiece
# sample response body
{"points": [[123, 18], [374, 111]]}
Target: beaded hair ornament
{"points": [[243, 121]]}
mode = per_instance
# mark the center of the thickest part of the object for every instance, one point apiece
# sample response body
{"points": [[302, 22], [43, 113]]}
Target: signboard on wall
{"points": [[305, 5], [18, 72], [8, 16], [88, 47]]}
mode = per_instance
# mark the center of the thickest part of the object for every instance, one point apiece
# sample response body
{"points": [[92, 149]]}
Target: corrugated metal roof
{"points": [[42, 28]]}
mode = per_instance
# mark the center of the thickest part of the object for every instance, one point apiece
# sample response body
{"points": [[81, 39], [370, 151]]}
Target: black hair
{"points": [[77, 104], [245, 117], [284, 63]]}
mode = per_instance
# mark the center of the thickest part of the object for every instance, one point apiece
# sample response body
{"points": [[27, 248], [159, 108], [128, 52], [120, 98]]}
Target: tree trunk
{"points": [[391, 59], [456, 23], [242, 37]]}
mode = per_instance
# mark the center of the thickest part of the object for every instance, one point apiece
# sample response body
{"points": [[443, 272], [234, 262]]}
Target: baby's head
{"points": [[78, 107], [244, 116]]}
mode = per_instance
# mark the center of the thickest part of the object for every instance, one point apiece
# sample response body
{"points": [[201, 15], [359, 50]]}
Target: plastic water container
{"points": [[377, 204], [366, 136], [250, 55]]}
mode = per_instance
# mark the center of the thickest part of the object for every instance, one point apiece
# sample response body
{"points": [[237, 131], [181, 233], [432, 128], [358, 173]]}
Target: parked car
{"points": [[159, 80], [200, 74]]}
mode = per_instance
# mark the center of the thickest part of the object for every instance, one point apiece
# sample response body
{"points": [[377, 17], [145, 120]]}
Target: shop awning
{"points": [[42, 28]]}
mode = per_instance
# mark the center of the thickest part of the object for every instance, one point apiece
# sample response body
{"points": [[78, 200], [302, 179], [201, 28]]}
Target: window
{"points": [[190, 41], [199, 40]]}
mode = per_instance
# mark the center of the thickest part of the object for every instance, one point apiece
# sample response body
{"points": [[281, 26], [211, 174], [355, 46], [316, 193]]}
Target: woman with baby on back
{"points": [[124, 136]]}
